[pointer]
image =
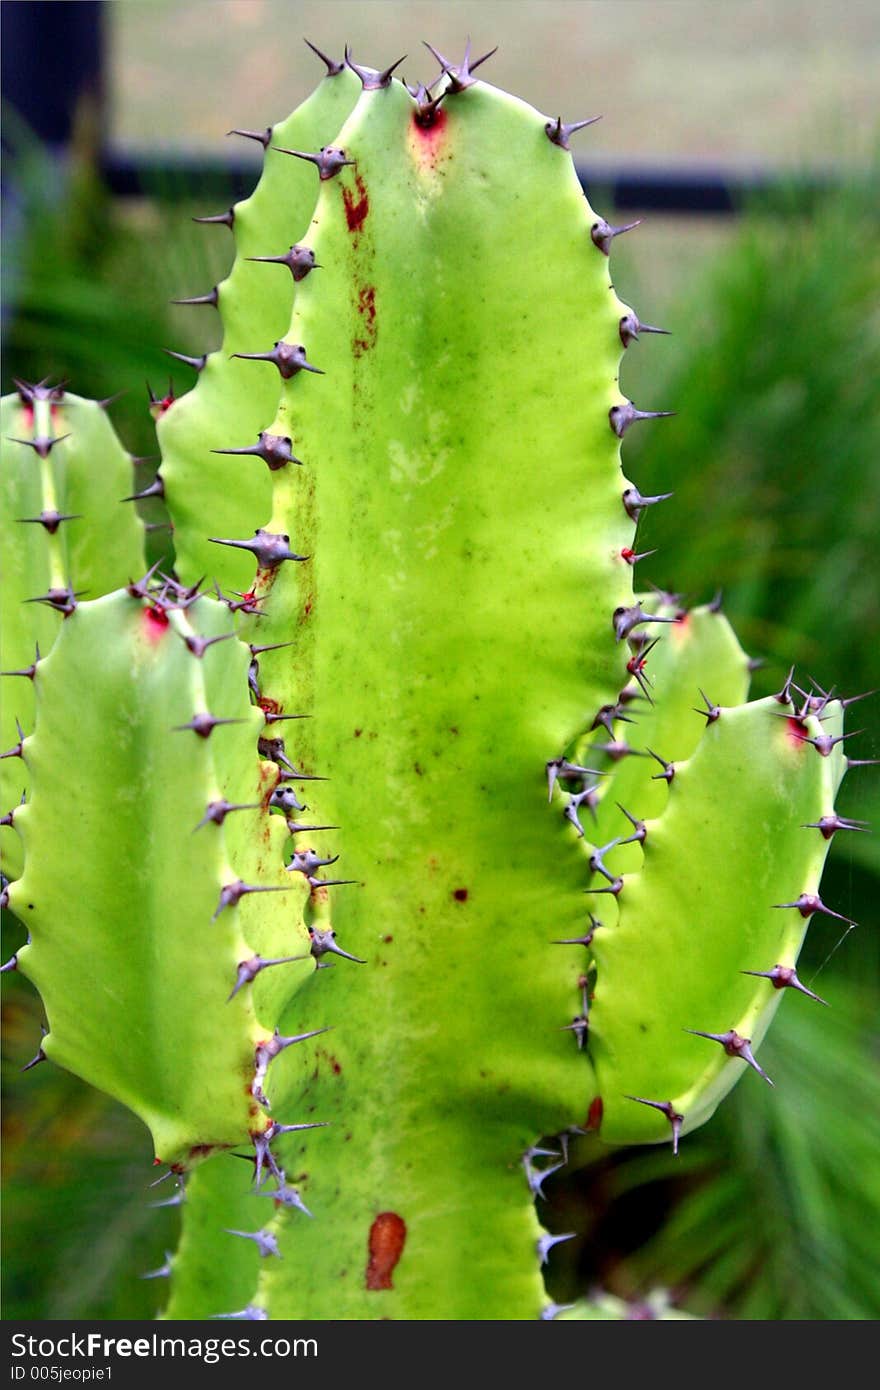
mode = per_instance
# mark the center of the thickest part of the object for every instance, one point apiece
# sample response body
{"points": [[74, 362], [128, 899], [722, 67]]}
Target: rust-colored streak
{"points": [[594, 1116], [798, 733], [385, 1247], [356, 207], [366, 307]]}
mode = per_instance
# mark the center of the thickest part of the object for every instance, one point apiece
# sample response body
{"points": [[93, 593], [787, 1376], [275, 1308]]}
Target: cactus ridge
{"points": [[426, 456]]}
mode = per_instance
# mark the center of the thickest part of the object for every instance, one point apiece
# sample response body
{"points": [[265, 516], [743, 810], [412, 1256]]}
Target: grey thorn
{"points": [[42, 445], [570, 811], [306, 861], [785, 977], [585, 940], [11, 964], [270, 548], [666, 1108], [668, 772], [264, 1240], [634, 502], [328, 160], [197, 363], [155, 489], [580, 1026], [203, 724], [808, 903], [248, 970], [217, 811], [323, 942], [711, 713], [552, 1311], [285, 799], [225, 219], [231, 894], [829, 825], [275, 450], [164, 1270], [561, 767], [620, 417], [603, 233], [333, 67], [300, 261], [213, 295], [371, 80], [460, 76], [734, 1046], [624, 620], [249, 1314], [640, 830], [558, 133], [176, 1201], [289, 358], [631, 326], [287, 1195], [536, 1177], [40, 1054], [262, 137], [51, 520], [545, 1244]]}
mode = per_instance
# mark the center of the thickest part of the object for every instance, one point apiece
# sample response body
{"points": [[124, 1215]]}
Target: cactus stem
{"points": [[42, 445], [50, 519], [668, 768], [371, 80], [460, 76], [785, 977], [808, 903], [666, 1108], [269, 548], [164, 1270], [300, 261], [620, 417], [264, 1240], [603, 233], [204, 724], [225, 219], [734, 1046], [545, 1244], [828, 825], [323, 942], [634, 502], [248, 970], [275, 450], [197, 363], [333, 68], [558, 133], [328, 161], [155, 489], [711, 712], [263, 138], [631, 326]]}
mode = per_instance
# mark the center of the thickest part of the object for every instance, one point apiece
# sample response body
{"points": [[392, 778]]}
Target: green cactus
{"points": [[444, 547]]}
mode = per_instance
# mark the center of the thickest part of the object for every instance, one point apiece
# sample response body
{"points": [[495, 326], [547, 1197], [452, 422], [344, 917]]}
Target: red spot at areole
{"points": [[627, 554], [157, 1162], [594, 1115], [154, 623], [356, 209], [385, 1247], [798, 733], [270, 706]]}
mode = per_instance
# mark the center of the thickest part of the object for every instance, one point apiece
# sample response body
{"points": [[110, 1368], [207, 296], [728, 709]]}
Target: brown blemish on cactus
{"points": [[593, 1122], [460, 895], [366, 307], [385, 1247], [356, 210]]}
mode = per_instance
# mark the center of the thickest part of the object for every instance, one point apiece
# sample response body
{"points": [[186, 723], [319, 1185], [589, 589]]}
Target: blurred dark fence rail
{"points": [[54, 54]]}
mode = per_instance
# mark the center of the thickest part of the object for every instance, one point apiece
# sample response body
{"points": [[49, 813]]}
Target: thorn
{"points": [[634, 503], [226, 218], [262, 137], [622, 416], [615, 887], [666, 1108], [61, 600], [213, 295], [589, 797], [668, 768], [828, 825], [546, 1243], [285, 799], [300, 261], [264, 1240], [711, 713], [50, 519], [426, 105], [854, 699], [323, 942], [9, 965], [333, 68], [199, 645], [371, 80], [559, 134], [734, 1046], [248, 970], [623, 620], [630, 327], [536, 1177], [808, 903], [40, 1054], [28, 671], [783, 696], [715, 605], [755, 663], [460, 77], [580, 1026], [197, 363], [257, 650], [155, 489], [603, 233], [204, 724], [639, 827], [289, 358], [269, 548], [164, 1270], [785, 977], [585, 940], [561, 767], [824, 743], [274, 449], [267, 1050], [140, 588], [306, 861], [232, 893], [296, 829], [288, 1196], [862, 762], [176, 1201], [42, 445], [552, 1310], [328, 161], [249, 1314], [632, 558]]}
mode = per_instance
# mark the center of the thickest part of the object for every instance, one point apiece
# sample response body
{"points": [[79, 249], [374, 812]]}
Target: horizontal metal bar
{"points": [[684, 190]]}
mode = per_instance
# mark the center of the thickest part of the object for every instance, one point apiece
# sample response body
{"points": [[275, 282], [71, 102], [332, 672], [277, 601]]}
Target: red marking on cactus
{"points": [[269, 706], [460, 895], [157, 1162], [366, 307], [154, 624], [798, 733], [627, 554], [356, 211], [594, 1115], [385, 1247]]}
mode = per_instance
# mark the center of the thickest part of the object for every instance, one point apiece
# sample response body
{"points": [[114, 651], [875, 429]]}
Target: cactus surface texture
{"points": [[429, 836]]}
